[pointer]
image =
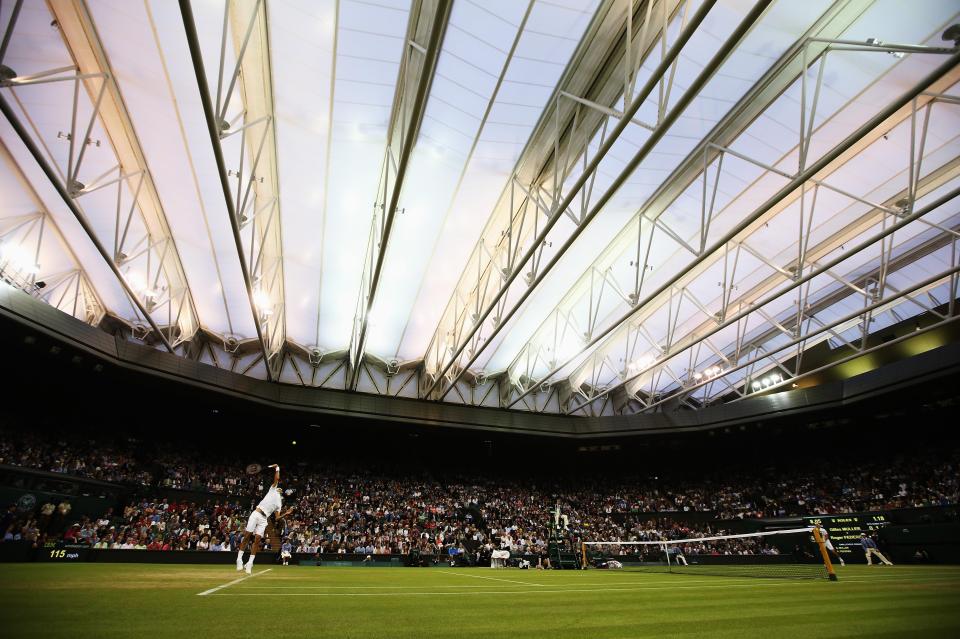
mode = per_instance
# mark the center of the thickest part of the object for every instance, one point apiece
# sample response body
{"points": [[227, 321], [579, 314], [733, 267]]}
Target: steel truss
{"points": [[142, 253], [240, 121], [575, 318], [23, 239], [515, 242], [630, 331], [428, 22]]}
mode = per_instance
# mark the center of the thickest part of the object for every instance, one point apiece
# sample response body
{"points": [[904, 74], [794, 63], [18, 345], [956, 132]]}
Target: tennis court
{"points": [[175, 601]]}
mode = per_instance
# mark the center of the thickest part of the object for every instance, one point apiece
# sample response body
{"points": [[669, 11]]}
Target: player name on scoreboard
{"points": [[845, 530]]}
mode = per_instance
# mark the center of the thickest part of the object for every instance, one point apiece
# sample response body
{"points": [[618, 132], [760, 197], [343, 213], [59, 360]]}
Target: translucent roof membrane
{"points": [[445, 218], [175, 137], [129, 34], [369, 49], [471, 62], [302, 49]]}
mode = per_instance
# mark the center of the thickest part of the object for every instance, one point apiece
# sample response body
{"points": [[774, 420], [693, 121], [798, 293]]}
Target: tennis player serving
{"points": [[257, 523]]}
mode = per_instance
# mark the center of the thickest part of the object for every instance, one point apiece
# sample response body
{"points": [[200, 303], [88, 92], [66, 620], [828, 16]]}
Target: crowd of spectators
{"points": [[339, 508], [82, 457]]}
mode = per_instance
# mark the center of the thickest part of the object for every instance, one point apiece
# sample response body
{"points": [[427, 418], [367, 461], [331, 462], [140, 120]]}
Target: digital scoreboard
{"points": [[844, 530]]}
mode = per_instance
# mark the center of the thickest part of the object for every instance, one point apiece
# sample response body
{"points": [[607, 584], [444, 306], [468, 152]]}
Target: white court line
{"points": [[227, 585], [509, 581], [686, 581], [515, 592]]}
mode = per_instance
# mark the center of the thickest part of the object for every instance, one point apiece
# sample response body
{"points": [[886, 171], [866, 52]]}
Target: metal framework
{"points": [[633, 331], [104, 156], [578, 313], [517, 247], [709, 311], [24, 239], [240, 122], [428, 22]]}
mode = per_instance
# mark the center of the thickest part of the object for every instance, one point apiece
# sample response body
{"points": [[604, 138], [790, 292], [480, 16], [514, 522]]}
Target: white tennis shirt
{"points": [[271, 502]]}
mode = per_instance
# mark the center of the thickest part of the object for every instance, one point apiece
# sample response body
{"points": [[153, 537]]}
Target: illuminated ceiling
{"points": [[590, 207]]}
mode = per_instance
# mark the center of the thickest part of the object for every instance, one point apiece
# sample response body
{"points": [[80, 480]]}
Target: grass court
{"points": [[126, 600]]}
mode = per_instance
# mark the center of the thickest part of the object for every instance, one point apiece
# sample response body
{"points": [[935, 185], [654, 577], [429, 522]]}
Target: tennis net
{"points": [[790, 553]]}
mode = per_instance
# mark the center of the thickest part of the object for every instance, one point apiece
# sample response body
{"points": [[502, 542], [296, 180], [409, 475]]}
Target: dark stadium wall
{"points": [[227, 433], [84, 364], [939, 542]]}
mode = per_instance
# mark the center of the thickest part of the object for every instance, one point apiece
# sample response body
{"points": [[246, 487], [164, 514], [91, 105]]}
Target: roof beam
{"points": [[72, 292], [163, 291], [427, 25], [833, 328], [68, 200], [251, 189], [462, 324], [81, 37], [830, 159], [794, 327], [832, 23], [811, 46]]}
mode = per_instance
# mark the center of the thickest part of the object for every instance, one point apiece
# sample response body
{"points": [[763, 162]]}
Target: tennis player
{"points": [[825, 536], [257, 522]]}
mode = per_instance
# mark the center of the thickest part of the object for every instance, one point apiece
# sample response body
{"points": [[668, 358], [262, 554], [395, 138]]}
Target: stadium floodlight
{"points": [[756, 385], [19, 258], [640, 364], [766, 382], [138, 283], [262, 301]]}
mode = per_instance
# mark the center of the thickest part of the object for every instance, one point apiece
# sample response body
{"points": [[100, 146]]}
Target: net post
{"points": [[583, 556], [831, 573]]}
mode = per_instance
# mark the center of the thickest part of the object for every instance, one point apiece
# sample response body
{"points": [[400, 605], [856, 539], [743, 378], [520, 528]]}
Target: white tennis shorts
{"points": [[257, 523], [826, 542]]}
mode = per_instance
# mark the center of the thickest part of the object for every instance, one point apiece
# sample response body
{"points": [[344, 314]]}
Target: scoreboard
{"points": [[844, 530]]}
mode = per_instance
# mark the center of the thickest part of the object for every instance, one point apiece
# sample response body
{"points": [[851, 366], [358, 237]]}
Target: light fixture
{"points": [[640, 364], [756, 385], [262, 301], [139, 285], [17, 257]]}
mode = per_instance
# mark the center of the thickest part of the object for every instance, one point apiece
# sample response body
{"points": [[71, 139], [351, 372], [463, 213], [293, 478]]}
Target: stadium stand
{"points": [[343, 508]]}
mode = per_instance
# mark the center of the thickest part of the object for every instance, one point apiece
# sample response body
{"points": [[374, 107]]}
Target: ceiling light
{"points": [[756, 385], [20, 259], [139, 285], [262, 301]]}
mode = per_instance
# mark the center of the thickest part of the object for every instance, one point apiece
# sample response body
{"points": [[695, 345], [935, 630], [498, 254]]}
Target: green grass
{"points": [[127, 600]]}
